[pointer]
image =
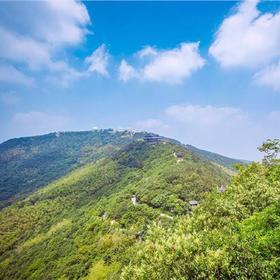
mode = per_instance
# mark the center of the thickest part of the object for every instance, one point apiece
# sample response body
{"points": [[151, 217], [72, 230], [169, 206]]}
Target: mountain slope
{"points": [[219, 159], [86, 222], [31, 162]]}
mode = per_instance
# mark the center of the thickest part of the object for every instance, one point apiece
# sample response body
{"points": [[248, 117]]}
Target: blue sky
{"points": [[205, 73]]}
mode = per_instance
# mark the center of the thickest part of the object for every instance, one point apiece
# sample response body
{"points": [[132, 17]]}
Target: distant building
{"points": [[153, 138], [178, 155], [193, 203]]}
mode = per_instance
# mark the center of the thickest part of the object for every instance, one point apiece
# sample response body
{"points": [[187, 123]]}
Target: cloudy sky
{"points": [[205, 73]]}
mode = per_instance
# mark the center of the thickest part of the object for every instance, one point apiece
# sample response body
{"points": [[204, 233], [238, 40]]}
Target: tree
{"points": [[271, 148]]}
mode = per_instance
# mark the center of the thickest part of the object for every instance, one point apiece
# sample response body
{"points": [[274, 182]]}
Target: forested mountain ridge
{"points": [[88, 222], [28, 163], [219, 159]]}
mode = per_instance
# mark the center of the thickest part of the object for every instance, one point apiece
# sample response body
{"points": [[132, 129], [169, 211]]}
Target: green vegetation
{"points": [[85, 225], [271, 148], [219, 159], [231, 235], [127, 216], [29, 163]]}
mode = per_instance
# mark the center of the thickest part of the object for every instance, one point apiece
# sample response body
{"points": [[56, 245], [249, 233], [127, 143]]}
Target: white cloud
{"points": [[53, 22], [205, 115], [174, 65], [126, 71], [147, 51], [46, 27], [98, 61], [226, 130], [269, 76], [247, 38], [67, 21], [168, 66], [150, 123], [19, 48], [10, 74]]}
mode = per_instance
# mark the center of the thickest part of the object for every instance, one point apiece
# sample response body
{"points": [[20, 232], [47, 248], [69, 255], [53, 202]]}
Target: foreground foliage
{"points": [[234, 235]]}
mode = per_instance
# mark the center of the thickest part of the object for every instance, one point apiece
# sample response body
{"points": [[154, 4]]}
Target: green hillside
{"points": [[85, 225], [219, 159], [31, 162]]}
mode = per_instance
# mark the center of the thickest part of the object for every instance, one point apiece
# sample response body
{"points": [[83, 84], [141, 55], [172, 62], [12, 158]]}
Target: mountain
{"points": [[219, 159], [89, 221], [31, 162]]}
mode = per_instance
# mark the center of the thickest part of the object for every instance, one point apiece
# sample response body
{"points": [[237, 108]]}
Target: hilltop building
{"points": [[153, 138]]}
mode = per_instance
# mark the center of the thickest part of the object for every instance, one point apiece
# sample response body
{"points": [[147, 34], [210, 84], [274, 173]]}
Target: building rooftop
{"points": [[153, 138], [193, 203]]}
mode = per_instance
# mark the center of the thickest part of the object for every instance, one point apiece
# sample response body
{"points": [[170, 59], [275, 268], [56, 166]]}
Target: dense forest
{"points": [[28, 163], [31, 162], [131, 215], [88, 218], [234, 235]]}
